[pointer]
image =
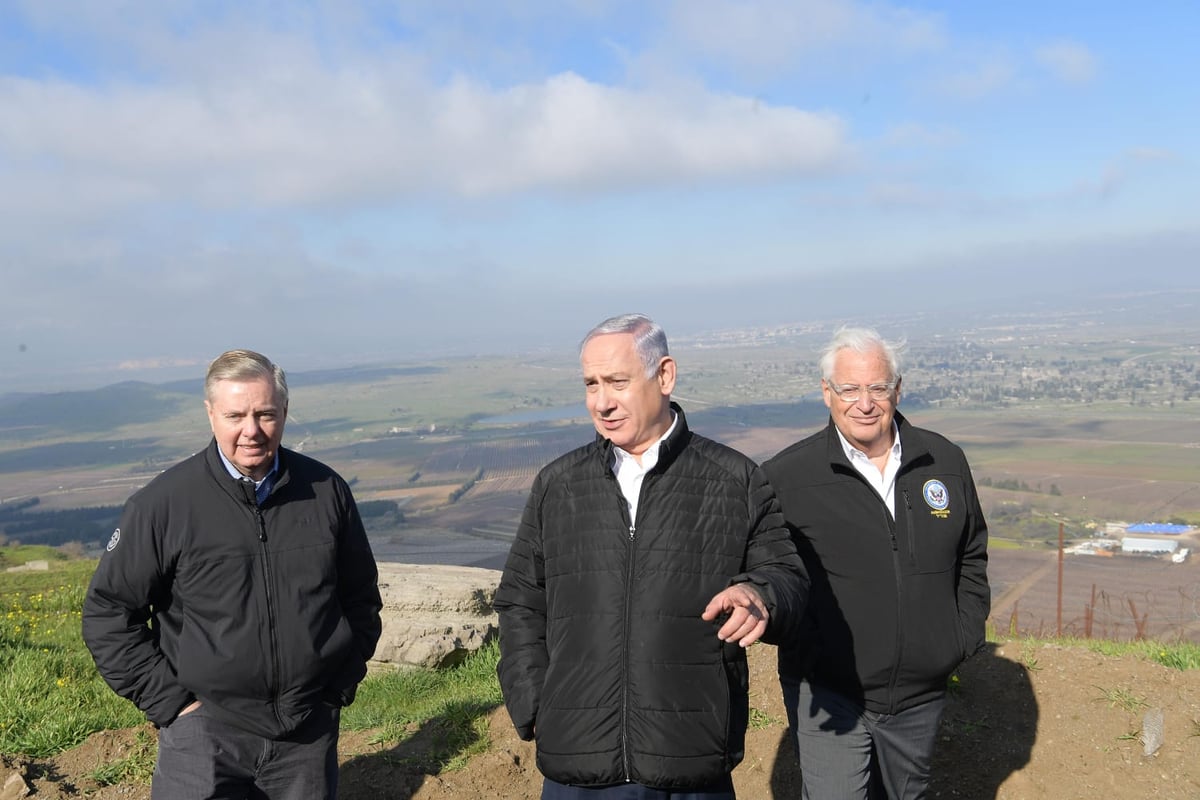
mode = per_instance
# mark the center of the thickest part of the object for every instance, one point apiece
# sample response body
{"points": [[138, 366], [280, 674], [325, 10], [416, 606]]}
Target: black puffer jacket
{"points": [[259, 612], [602, 644], [897, 604]]}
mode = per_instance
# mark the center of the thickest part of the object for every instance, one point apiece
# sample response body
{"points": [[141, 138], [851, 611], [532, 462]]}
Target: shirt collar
{"points": [[650, 456], [853, 453], [267, 481]]}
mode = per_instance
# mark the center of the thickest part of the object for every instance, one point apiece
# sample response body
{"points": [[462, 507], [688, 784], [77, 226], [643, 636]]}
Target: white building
{"points": [[1145, 545]]}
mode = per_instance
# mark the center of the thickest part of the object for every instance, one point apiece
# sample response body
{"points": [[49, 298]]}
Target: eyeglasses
{"points": [[851, 392]]}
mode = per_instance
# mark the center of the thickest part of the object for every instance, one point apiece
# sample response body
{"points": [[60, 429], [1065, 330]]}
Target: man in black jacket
{"points": [[237, 604], [887, 520], [644, 564]]}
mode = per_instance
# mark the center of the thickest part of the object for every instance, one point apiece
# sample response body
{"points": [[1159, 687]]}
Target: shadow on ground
{"points": [[990, 723]]}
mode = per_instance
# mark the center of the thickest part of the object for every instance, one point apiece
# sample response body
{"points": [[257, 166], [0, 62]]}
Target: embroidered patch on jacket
{"points": [[938, 498], [112, 542]]}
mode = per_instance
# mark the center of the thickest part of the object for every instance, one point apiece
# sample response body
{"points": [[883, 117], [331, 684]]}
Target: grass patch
{"points": [[445, 711], [760, 719], [1176, 655], [137, 767], [1120, 697], [51, 697], [1180, 656], [996, 543], [1029, 656], [17, 555]]}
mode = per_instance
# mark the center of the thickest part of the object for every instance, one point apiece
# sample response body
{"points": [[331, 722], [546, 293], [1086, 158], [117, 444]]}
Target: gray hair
{"points": [[649, 339], [245, 365], [863, 341]]}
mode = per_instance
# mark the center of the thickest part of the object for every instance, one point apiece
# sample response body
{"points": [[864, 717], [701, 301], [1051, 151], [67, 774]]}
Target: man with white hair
{"points": [[888, 522]]}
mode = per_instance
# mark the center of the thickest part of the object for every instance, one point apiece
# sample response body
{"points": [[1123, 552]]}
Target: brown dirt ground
{"points": [[1024, 722]]}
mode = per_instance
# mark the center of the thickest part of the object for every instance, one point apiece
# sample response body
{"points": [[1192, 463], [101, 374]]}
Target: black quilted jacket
{"points": [[603, 650]]}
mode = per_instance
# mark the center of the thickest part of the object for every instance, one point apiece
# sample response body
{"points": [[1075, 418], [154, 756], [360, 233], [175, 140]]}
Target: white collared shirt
{"points": [[882, 482], [630, 473]]}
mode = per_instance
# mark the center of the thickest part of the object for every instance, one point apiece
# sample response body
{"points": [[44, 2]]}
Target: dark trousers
{"points": [[848, 752], [200, 758], [633, 791]]}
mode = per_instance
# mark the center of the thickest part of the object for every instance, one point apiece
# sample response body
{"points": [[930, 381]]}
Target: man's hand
{"points": [[189, 708], [747, 614]]}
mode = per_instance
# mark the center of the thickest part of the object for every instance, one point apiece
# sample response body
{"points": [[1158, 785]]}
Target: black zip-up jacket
{"points": [[602, 645], [895, 606], [261, 613]]}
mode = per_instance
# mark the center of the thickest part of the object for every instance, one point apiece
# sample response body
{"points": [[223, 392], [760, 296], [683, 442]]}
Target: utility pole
{"points": [[1060, 579]]}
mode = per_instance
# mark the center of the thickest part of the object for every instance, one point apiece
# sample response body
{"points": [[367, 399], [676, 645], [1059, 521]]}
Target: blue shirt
{"points": [[261, 488]]}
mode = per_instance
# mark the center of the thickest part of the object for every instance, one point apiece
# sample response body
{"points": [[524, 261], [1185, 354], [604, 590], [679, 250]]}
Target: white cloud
{"points": [[570, 132], [311, 136], [1069, 62], [778, 33], [982, 80]]}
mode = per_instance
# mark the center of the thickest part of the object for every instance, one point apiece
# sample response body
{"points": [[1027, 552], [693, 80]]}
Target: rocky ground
{"points": [[1024, 721]]}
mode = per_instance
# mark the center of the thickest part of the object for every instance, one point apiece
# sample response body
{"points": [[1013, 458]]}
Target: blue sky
{"points": [[343, 182]]}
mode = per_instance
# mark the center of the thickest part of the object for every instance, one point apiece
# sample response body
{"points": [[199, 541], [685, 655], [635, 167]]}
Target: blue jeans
{"points": [[850, 753], [200, 758]]}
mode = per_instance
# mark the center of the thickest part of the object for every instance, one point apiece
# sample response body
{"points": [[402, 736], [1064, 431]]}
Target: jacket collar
{"points": [[212, 458], [668, 451], [914, 444]]}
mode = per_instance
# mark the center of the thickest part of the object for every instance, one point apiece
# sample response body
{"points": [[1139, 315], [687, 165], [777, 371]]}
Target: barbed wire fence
{"points": [[1169, 614]]}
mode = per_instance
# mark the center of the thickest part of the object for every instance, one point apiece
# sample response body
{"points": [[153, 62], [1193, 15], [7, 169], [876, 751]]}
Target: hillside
{"points": [[1025, 721]]}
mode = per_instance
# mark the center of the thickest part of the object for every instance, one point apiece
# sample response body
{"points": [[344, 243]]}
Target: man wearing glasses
{"points": [[888, 522]]}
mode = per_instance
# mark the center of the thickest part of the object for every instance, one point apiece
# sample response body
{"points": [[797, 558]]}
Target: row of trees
{"points": [[21, 522], [457, 494], [1014, 485]]}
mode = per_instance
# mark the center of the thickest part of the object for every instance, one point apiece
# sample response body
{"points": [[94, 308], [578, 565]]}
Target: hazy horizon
{"points": [[361, 182], [1148, 310]]}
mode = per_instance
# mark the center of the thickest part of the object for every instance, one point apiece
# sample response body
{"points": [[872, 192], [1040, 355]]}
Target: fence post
{"points": [[1058, 626]]}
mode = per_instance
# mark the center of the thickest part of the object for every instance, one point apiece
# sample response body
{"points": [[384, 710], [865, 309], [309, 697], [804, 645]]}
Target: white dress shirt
{"points": [[882, 482], [630, 473]]}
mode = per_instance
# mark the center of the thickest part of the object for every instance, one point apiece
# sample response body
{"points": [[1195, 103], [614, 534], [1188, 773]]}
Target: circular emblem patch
{"points": [[936, 495], [112, 542]]}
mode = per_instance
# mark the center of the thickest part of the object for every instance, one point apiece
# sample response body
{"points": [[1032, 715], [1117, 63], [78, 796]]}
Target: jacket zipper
{"points": [[908, 521], [890, 522], [625, 664], [898, 567], [271, 621], [896, 571], [629, 562]]}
